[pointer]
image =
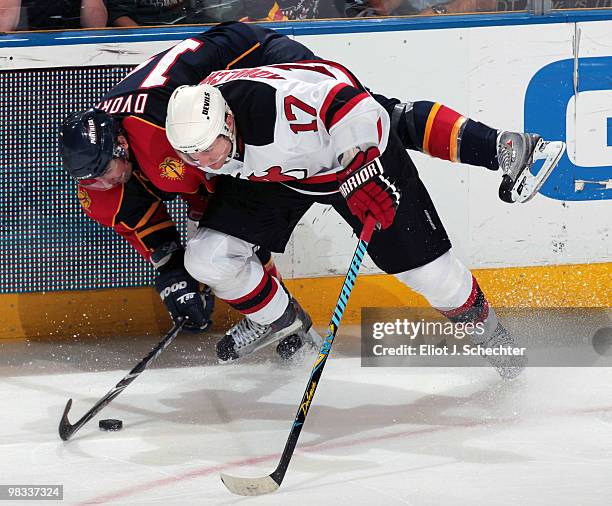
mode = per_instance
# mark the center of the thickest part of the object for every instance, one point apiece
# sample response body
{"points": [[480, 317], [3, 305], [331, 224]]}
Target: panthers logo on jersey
{"points": [[172, 168], [84, 198]]}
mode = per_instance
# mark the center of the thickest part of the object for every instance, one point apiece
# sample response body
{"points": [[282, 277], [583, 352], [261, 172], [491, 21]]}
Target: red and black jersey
{"points": [[135, 210], [144, 93], [140, 101]]}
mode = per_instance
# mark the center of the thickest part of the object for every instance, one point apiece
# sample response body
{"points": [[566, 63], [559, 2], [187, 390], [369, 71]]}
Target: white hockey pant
{"points": [[446, 283], [230, 267]]}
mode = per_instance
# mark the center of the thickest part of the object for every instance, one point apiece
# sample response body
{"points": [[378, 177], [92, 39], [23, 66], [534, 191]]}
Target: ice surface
{"points": [[374, 436]]}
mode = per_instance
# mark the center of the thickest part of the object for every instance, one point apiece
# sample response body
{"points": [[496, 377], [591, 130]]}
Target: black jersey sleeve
{"points": [[254, 106], [225, 46], [278, 48], [146, 91]]}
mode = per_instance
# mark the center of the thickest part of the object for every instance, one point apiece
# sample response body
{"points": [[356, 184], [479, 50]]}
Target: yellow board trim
{"points": [[139, 311]]}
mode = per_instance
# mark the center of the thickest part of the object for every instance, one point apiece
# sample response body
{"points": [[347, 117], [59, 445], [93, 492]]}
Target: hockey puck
{"points": [[602, 341], [287, 347], [110, 424]]}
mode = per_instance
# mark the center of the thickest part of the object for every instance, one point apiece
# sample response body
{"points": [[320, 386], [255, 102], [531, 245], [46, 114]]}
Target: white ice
{"points": [[374, 436]]}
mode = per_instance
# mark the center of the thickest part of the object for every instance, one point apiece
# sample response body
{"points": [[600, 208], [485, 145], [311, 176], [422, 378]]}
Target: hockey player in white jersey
{"points": [[297, 134]]}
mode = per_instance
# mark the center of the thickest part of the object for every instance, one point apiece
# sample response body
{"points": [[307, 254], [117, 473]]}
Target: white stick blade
{"points": [[249, 486]]}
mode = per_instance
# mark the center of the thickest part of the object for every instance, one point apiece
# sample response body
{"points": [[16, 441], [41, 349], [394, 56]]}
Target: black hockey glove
{"points": [[179, 291]]}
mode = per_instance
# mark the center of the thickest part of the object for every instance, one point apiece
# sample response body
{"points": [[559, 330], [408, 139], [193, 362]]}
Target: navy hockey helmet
{"points": [[88, 143]]}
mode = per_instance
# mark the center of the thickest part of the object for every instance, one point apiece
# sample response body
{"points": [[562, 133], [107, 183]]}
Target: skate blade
{"points": [[527, 185], [314, 338], [510, 372], [267, 341]]}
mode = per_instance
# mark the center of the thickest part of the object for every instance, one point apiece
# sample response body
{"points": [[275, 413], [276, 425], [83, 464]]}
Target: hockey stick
{"points": [[270, 483], [66, 429]]}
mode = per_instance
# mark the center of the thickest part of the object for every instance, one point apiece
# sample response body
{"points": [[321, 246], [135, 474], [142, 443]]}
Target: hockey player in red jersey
{"points": [[126, 169], [296, 134], [135, 111]]}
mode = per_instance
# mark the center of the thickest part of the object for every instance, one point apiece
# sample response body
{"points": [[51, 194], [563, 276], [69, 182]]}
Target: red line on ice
{"points": [[197, 473], [144, 487]]}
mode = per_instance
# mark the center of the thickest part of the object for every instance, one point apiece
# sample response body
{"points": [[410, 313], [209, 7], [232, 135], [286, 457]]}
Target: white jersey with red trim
{"points": [[294, 121]]}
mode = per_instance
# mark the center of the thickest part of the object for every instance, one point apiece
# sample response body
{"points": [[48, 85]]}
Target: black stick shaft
{"points": [[317, 369], [66, 429]]}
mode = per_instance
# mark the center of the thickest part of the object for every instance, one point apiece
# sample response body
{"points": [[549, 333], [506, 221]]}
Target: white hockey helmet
{"points": [[195, 118]]}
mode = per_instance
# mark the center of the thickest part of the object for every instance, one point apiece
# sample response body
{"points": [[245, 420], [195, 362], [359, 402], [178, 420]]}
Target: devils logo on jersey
{"points": [[275, 174]]}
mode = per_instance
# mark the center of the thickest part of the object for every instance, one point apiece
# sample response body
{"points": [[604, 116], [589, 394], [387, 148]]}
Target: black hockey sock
{"points": [[479, 145]]}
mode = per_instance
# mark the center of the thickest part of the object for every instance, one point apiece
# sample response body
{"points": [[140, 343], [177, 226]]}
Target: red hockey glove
{"points": [[367, 190]]}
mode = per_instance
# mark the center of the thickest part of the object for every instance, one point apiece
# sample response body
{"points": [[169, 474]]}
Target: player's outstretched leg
{"points": [[450, 287], [441, 132]]}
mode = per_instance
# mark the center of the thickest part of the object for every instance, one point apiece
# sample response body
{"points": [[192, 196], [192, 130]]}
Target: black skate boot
{"points": [[292, 329], [516, 153]]}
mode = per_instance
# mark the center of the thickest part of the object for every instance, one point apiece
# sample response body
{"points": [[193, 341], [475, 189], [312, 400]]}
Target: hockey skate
{"points": [[508, 366], [291, 331], [516, 153]]}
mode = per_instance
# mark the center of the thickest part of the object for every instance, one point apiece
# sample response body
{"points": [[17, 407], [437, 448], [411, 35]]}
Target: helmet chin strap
{"points": [[233, 140]]}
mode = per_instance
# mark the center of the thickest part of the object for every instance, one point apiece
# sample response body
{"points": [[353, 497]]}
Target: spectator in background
{"points": [[511, 5], [515, 5], [9, 14], [457, 7], [364, 8], [283, 10], [367, 8], [55, 14], [147, 12]]}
